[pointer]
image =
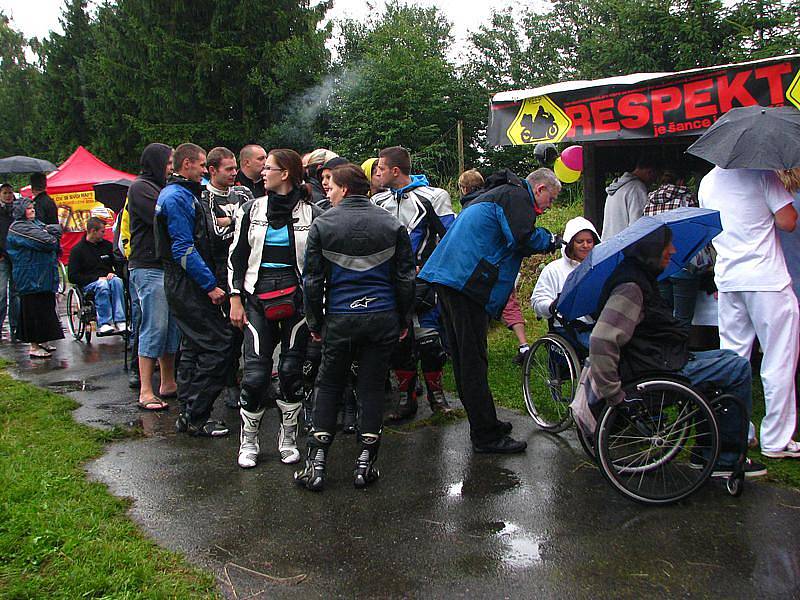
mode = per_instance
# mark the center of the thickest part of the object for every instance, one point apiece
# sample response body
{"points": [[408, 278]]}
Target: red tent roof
{"points": [[79, 173]]}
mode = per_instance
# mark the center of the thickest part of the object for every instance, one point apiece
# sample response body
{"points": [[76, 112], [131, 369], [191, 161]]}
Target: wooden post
{"points": [[460, 145]]}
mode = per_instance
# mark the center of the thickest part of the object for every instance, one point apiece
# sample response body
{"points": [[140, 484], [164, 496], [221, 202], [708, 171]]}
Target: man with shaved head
{"points": [[252, 159]]}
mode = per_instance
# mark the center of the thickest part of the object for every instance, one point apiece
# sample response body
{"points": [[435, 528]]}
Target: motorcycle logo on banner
{"points": [[793, 93], [538, 120]]}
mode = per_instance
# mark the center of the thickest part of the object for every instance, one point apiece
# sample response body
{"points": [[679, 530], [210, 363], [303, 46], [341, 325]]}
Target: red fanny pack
{"points": [[278, 304]]}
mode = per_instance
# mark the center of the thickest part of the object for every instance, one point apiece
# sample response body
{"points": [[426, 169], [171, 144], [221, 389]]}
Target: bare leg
{"points": [[146, 368], [519, 331], [167, 365]]}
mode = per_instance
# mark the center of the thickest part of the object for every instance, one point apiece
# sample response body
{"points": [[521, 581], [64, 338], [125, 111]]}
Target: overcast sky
{"points": [[38, 17]]}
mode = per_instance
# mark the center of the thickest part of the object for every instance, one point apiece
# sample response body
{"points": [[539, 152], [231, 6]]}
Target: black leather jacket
{"points": [[358, 261]]}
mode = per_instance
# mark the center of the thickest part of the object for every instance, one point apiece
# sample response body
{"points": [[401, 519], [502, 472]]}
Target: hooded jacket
{"points": [[33, 248], [409, 206], [551, 279], [481, 254], [142, 197], [625, 202], [659, 342]]}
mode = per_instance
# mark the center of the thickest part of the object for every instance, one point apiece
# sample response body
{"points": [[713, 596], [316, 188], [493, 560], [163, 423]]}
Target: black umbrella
{"points": [[112, 194], [752, 137], [25, 164]]}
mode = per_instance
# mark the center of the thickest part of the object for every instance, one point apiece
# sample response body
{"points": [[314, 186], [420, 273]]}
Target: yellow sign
{"points": [[77, 200], [538, 120], [75, 208], [793, 93]]}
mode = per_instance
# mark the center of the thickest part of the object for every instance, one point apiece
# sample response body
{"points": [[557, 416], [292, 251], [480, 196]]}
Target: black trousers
{"points": [[368, 339], [205, 343], [261, 336], [466, 326]]}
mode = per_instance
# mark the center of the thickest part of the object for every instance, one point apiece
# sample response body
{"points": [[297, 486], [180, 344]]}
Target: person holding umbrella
{"points": [[636, 333], [755, 294]]}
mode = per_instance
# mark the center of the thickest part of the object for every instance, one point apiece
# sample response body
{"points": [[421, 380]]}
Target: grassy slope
{"points": [[62, 536], [505, 377]]}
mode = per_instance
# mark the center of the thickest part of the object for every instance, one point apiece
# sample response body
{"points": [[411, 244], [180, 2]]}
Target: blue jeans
{"points": [[9, 301], [730, 373], [109, 300], [680, 292], [158, 332]]}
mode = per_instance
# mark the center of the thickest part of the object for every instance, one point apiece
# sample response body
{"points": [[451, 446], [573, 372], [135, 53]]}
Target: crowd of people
{"points": [[358, 277]]}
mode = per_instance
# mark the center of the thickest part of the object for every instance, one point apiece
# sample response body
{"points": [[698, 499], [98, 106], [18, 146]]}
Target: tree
{"points": [[19, 88], [393, 85], [65, 95], [213, 72]]}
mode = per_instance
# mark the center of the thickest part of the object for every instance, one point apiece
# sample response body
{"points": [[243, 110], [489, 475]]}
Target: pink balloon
{"points": [[572, 158]]}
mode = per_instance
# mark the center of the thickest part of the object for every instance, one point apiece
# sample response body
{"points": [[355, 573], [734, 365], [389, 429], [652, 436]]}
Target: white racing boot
{"points": [[287, 435], [248, 438]]}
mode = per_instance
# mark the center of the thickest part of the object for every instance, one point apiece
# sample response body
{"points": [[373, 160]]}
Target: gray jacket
{"points": [[627, 197]]}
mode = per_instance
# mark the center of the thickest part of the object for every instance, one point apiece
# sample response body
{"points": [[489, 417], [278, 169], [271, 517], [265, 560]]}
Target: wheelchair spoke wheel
{"points": [[75, 321], [660, 445], [549, 380]]}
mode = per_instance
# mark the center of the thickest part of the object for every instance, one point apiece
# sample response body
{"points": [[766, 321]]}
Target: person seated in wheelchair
{"points": [[92, 269], [636, 335], [579, 237]]}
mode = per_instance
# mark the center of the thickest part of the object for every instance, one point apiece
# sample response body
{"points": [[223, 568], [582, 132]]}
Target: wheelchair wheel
{"points": [[645, 445], [77, 326], [62, 278], [549, 380]]}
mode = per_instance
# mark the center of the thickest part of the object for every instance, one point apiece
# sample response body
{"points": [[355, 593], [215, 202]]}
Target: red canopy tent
{"points": [[72, 189]]}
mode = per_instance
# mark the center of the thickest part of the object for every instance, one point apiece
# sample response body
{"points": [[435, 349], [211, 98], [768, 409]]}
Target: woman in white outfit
{"points": [[580, 237]]}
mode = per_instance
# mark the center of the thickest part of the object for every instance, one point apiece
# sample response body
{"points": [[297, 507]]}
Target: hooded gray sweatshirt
{"points": [[625, 202]]}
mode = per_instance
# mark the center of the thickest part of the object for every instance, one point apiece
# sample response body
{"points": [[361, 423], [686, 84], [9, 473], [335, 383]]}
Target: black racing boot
{"points": [[365, 472], [308, 411], [407, 404], [436, 397], [312, 477]]}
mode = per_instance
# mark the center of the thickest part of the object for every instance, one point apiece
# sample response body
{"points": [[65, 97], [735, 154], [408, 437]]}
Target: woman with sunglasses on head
{"points": [[265, 276]]}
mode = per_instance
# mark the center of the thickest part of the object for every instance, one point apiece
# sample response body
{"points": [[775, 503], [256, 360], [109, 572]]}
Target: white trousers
{"points": [[774, 318]]}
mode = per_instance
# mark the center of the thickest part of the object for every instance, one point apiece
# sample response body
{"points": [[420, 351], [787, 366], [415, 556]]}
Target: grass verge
{"points": [[62, 536]]}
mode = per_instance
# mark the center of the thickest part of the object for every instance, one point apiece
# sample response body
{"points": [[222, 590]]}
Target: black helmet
{"points": [[545, 153]]}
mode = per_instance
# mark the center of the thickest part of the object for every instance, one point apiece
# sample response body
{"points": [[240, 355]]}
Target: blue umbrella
{"points": [[692, 229]]}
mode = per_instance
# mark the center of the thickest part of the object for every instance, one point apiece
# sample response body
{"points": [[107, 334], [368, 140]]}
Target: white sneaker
{"points": [[105, 329], [248, 449], [792, 450], [121, 327]]}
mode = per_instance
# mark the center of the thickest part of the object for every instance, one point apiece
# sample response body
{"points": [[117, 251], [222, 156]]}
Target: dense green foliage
{"points": [[60, 535], [236, 71]]}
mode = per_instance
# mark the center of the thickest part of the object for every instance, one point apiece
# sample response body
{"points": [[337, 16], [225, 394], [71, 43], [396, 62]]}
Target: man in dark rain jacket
{"points": [[183, 243]]}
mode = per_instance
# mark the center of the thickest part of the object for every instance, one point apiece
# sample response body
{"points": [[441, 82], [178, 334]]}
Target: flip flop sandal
{"points": [[170, 395], [153, 405], [48, 347], [40, 354]]}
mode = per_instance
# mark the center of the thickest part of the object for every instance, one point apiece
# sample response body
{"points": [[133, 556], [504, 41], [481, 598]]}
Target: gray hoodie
{"points": [[627, 197]]}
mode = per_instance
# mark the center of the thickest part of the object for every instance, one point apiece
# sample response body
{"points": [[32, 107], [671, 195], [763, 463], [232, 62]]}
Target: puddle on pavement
{"points": [[73, 385], [154, 424], [488, 481], [511, 548]]}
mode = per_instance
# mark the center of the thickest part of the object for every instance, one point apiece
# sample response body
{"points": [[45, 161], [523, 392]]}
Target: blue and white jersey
{"points": [[407, 205]]}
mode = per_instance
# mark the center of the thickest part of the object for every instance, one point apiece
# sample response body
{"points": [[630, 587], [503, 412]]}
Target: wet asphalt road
{"points": [[441, 523]]}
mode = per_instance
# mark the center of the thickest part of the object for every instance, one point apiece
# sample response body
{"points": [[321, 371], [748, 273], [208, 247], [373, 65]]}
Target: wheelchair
{"points": [[550, 375], [82, 315], [658, 446]]}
